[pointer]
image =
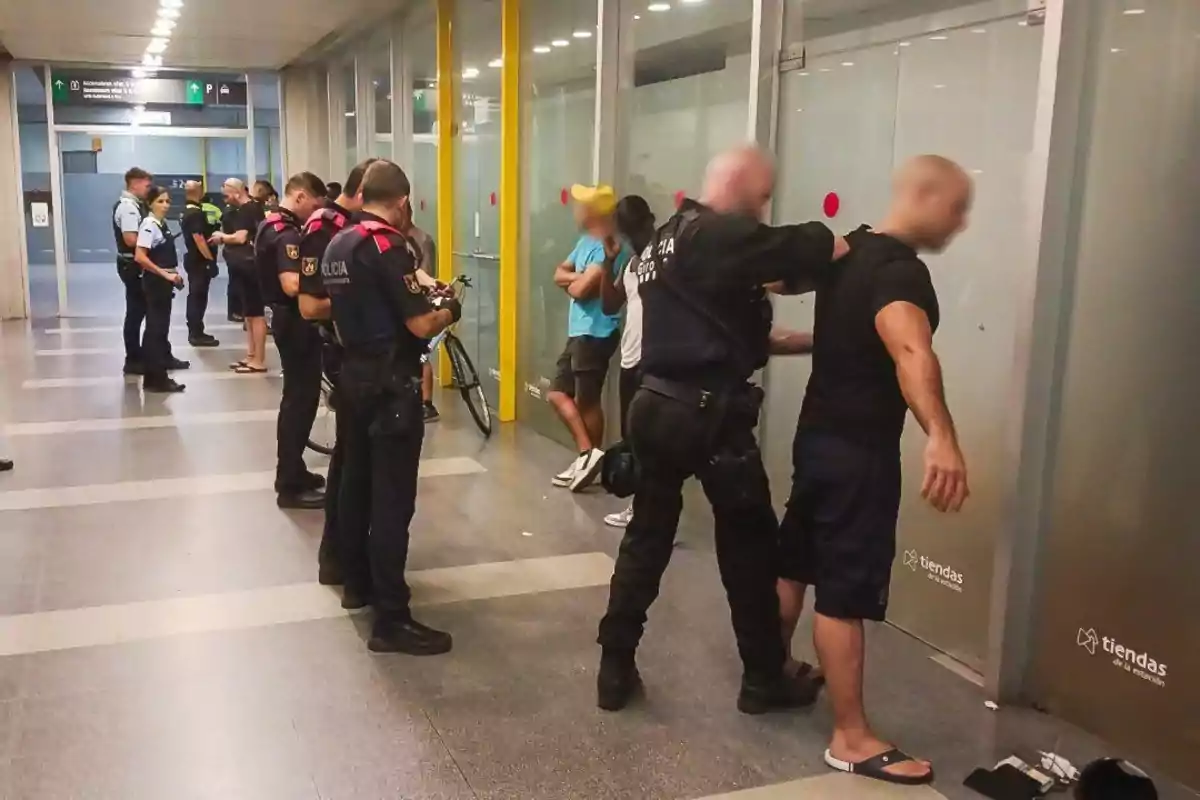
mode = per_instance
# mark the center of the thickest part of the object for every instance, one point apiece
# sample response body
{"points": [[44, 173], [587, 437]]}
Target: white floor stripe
{"points": [[162, 488], [833, 787], [256, 608], [139, 423], [188, 377], [208, 328], [120, 351]]}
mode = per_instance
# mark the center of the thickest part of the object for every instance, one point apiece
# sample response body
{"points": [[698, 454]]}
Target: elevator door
{"points": [[845, 121]]}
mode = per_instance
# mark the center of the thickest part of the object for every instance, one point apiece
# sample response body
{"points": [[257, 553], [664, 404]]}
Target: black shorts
{"points": [[839, 532], [583, 366], [631, 380], [249, 290]]}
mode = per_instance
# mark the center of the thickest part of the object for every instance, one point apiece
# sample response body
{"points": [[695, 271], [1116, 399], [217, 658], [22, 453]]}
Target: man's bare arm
{"points": [[314, 307], [130, 239], [587, 285], [906, 332], [790, 343]]}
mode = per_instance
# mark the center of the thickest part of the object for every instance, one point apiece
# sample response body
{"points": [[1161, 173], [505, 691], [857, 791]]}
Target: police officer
{"points": [[127, 215], [156, 256], [706, 329], [319, 230], [383, 318], [277, 260], [200, 262]]}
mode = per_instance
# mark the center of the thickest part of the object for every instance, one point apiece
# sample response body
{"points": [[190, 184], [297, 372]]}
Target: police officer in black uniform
{"points": [[200, 262], [277, 261], [319, 231], [383, 318], [706, 330], [157, 258]]}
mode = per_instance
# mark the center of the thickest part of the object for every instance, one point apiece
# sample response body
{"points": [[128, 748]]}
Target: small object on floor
{"points": [[5, 465], [409, 637], [1006, 782], [204, 340], [163, 387], [590, 464], [877, 768], [179, 363], [1110, 779], [1045, 782], [134, 368], [303, 501], [431, 412], [990, 705], [1059, 767], [621, 519], [246, 369]]}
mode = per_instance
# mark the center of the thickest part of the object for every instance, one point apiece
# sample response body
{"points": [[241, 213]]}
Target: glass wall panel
{"points": [[347, 88], [420, 52], [689, 98], [558, 114], [867, 99], [476, 245], [379, 60], [268, 157], [35, 184]]}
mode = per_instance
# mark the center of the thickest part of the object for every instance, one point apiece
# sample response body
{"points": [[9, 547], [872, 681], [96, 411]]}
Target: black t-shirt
{"points": [[277, 250], [853, 390], [246, 217], [720, 262], [194, 221], [373, 290], [319, 231]]}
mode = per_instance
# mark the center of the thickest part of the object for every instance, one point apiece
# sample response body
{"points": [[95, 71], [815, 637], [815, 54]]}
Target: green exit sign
{"points": [[59, 89], [195, 93]]}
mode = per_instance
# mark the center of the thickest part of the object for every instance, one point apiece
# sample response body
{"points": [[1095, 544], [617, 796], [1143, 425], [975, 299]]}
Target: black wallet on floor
{"points": [[1003, 783]]}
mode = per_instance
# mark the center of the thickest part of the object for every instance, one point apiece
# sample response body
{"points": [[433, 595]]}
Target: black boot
{"points": [[353, 599], [178, 363], [162, 386], [134, 368], [203, 340], [618, 681], [408, 636], [308, 500], [782, 693], [5, 465]]}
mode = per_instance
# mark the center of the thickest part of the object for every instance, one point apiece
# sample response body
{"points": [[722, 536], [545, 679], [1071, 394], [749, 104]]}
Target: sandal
{"points": [[876, 768], [238, 364], [246, 369]]}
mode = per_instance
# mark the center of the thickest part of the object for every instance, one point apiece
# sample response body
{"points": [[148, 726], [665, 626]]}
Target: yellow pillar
{"points": [[447, 129], [510, 202]]}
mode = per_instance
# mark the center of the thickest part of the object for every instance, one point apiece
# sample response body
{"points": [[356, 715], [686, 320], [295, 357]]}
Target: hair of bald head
{"points": [[194, 190], [925, 172], [235, 184], [729, 167]]}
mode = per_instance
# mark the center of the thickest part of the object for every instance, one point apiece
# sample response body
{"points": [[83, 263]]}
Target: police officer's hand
{"points": [[945, 485], [840, 247], [450, 304]]}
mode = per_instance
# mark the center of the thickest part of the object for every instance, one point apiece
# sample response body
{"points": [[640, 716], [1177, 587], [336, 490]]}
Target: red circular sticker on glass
{"points": [[566, 196], [679, 198], [831, 205], [493, 198]]}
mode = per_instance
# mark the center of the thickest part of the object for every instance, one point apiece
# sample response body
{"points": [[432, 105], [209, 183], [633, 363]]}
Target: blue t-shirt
{"points": [[587, 317]]}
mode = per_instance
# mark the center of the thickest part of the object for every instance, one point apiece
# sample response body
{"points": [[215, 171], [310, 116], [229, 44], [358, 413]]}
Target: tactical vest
{"points": [[124, 251]]}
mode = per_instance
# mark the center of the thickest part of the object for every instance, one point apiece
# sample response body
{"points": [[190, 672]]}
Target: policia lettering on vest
{"points": [[382, 317], [706, 329], [313, 302], [278, 265]]}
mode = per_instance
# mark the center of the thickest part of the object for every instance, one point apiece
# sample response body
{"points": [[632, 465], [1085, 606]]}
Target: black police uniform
{"points": [[131, 276], [277, 251], [706, 330], [200, 270], [369, 272], [159, 294], [318, 232]]}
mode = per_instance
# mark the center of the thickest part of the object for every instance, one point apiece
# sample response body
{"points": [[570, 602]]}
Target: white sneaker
{"points": [[564, 478], [621, 519], [590, 464]]}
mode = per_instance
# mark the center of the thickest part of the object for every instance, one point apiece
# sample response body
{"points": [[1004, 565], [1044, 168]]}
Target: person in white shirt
{"points": [[635, 222]]}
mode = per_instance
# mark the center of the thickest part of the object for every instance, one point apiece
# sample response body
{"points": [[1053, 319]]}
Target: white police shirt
{"points": [[128, 214]]}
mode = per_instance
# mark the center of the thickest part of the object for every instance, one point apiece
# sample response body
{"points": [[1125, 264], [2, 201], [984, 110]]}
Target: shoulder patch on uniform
{"points": [[293, 251], [309, 267], [412, 283]]}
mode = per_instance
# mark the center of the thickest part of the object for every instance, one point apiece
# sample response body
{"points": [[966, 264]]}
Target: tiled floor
{"points": [[162, 635]]}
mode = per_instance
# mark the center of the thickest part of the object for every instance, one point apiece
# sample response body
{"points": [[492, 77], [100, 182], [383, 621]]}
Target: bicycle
{"points": [[465, 378]]}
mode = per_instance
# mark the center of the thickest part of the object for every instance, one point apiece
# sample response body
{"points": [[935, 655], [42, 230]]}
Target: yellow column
{"points": [[510, 202], [447, 129]]}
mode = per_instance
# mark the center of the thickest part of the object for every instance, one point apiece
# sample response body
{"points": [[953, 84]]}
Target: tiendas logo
{"points": [[1133, 661], [938, 573]]}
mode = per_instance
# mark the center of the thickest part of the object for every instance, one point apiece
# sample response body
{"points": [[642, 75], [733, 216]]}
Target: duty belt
{"points": [[684, 393]]}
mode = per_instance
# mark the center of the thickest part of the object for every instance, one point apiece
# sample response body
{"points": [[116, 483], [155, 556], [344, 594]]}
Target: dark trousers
{"points": [[300, 353], [135, 310], [199, 278], [735, 482], [156, 346], [330, 551], [378, 498]]}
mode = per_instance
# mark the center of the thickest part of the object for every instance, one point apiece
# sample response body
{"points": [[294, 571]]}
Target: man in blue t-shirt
{"points": [[592, 335]]}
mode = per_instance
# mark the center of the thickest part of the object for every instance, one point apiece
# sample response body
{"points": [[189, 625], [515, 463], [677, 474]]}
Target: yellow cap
{"points": [[598, 199]]}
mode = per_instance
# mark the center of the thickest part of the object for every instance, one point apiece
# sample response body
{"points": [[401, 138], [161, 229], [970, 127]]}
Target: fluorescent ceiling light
{"points": [[152, 61], [168, 13], [847, 63], [157, 46], [978, 30], [541, 48], [582, 34], [905, 44], [161, 32], [691, 2], [938, 38], [349, 113], [139, 108], [1131, 12], [496, 63], [637, 16], [164, 22], [171, 3], [470, 72], [560, 43], [659, 7]]}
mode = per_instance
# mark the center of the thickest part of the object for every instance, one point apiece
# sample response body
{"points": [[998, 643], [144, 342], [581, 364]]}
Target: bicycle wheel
{"points": [[467, 381], [323, 436]]}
